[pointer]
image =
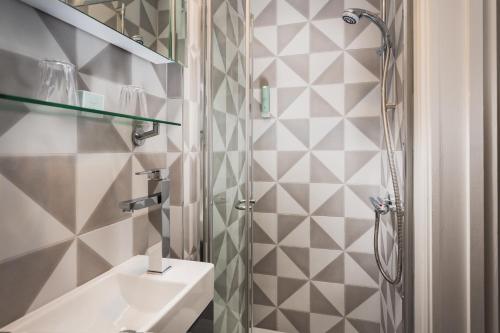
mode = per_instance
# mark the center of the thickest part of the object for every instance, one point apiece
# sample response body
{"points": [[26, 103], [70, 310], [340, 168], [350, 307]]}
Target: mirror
{"points": [[151, 23], [154, 30]]}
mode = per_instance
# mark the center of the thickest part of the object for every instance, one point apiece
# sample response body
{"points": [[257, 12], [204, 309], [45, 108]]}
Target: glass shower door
{"points": [[228, 154]]}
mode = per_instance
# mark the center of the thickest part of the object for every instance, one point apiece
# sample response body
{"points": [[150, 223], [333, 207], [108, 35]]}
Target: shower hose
{"points": [[397, 207]]}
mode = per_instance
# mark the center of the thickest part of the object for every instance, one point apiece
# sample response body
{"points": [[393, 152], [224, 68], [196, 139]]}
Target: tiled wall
{"points": [[61, 177], [316, 163]]}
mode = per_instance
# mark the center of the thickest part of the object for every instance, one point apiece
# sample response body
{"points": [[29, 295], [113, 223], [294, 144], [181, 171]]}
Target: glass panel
{"points": [[9, 103], [230, 226]]}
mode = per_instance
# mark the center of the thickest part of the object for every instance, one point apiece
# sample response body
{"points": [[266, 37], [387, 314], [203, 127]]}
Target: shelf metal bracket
{"points": [[139, 136]]}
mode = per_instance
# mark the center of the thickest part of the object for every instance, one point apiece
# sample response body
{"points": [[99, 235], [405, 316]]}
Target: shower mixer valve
{"points": [[383, 206]]}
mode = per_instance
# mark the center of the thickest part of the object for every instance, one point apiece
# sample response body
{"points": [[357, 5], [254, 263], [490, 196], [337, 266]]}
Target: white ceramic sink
{"points": [[127, 298]]}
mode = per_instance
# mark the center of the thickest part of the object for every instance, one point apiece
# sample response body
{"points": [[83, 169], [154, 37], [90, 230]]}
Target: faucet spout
{"points": [[130, 206]]}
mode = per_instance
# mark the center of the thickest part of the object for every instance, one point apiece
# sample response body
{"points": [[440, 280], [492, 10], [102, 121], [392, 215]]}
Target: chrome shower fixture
{"points": [[354, 15], [385, 206]]}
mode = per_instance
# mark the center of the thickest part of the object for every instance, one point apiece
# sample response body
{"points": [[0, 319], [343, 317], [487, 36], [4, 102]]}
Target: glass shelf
{"points": [[10, 102]]}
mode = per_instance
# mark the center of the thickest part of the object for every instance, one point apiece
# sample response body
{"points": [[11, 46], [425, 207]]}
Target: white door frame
{"points": [[454, 157]]}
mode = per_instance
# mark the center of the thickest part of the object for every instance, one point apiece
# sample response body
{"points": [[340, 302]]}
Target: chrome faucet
{"points": [[158, 194]]}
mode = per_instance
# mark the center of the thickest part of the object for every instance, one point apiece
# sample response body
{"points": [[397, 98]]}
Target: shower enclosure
{"points": [[288, 221]]}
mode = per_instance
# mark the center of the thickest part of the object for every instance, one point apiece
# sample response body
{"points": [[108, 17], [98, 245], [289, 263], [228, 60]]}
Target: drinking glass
{"points": [[58, 82], [133, 102]]}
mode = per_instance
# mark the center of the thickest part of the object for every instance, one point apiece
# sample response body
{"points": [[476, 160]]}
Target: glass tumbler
{"points": [[133, 102], [58, 82]]}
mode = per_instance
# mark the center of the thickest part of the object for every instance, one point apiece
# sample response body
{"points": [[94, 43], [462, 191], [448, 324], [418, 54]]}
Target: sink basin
{"points": [[127, 298]]}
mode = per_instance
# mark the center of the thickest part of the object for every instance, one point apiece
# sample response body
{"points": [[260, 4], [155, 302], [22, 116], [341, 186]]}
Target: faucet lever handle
{"points": [[155, 174]]}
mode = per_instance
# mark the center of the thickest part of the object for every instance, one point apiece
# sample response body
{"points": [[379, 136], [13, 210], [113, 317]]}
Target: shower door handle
{"points": [[241, 205]]}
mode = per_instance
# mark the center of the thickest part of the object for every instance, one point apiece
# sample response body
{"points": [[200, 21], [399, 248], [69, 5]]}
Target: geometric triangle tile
{"points": [[355, 161], [299, 256], [321, 127], [299, 301], [333, 293], [333, 272], [55, 175], [286, 33], [296, 237], [357, 207], [356, 228], [334, 227], [301, 6], [320, 258], [333, 206], [106, 211], [324, 322], [333, 94], [95, 174], [320, 193], [265, 13], [356, 92], [267, 201], [355, 72], [363, 326], [368, 59], [320, 42], [284, 324], [22, 278], [113, 243], [319, 107], [288, 13], [287, 268], [268, 284], [369, 126], [356, 295], [299, 64], [333, 140], [320, 173], [89, 263], [287, 97], [300, 320], [28, 229], [287, 287], [286, 160], [332, 29], [264, 317], [289, 44], [368, 310], [267, 264], [357, 140], [291, 199], [320, 304], [333, 74], [321, 239], [298, 173], [356, 275], [330, 9], [287, 223], [267, 223], [61, 281]]}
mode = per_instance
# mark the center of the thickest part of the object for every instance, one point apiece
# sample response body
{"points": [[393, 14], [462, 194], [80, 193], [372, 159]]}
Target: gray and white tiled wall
{"points": [[61, 177], [317, 160]]}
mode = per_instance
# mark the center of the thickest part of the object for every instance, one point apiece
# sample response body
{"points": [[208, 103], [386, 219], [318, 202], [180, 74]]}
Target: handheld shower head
{"points": [[350, 17], [354, 15]]}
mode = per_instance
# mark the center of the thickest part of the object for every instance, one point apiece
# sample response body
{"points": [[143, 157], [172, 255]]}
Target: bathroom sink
{"points": [[128, 298]]}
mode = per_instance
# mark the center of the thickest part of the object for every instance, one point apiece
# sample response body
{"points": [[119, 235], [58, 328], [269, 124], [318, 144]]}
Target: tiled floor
{"points": [[260, 330]]}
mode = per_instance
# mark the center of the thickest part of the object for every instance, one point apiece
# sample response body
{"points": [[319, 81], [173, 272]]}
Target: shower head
{"points": [[354, 15]]}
